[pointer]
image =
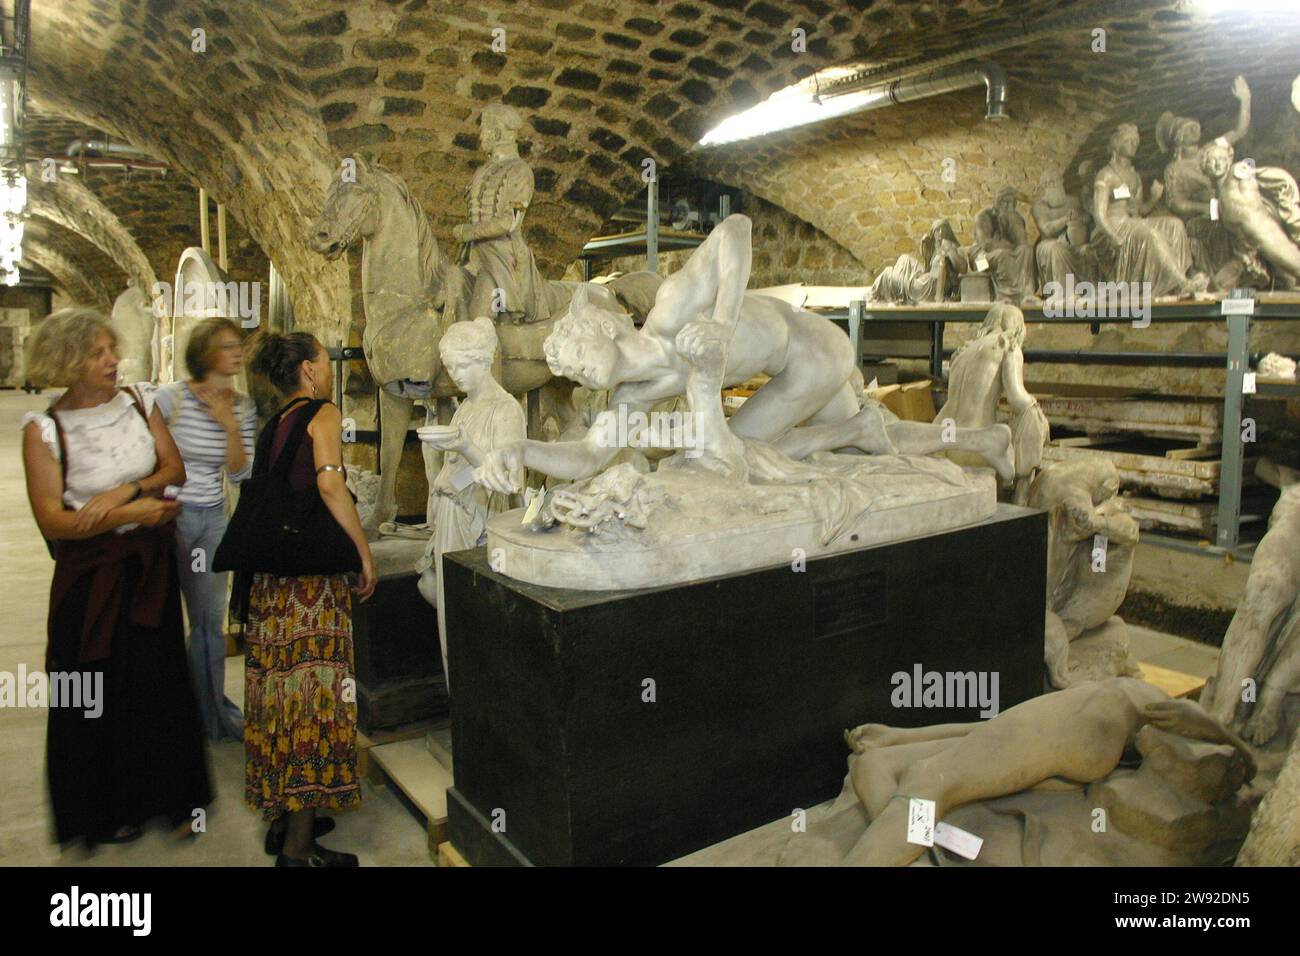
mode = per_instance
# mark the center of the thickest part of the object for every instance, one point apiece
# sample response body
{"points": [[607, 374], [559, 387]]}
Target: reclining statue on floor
{"points": [[811, 403], [1260, 659], [1063, 741]]}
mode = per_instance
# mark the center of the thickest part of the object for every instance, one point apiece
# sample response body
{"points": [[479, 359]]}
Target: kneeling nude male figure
{"points": [[809, 405]]}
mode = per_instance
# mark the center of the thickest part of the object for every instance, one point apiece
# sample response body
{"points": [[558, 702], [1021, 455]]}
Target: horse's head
{"points": [[346, 215]]}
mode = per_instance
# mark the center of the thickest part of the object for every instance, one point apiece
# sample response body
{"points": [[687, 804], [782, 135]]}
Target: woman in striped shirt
{"points": [[213, 426]]}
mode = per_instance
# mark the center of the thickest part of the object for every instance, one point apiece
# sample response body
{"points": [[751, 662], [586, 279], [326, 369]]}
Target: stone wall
{"points": [[786, 250]]}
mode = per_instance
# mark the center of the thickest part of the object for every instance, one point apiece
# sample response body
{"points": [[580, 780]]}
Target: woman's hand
{"points": [[220, 404], [99, 506], [157, 511], [365, 585]]}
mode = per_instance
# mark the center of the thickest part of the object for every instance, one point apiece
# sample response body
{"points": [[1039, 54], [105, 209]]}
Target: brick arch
{"points": [[71, 271], [71, 205], [234, 118]]}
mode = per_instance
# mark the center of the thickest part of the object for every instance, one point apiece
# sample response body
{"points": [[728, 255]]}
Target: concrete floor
{"points": [[382, 832]]}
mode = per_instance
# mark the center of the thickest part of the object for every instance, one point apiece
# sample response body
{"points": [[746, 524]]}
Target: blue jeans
{"points": [[205, 601]]}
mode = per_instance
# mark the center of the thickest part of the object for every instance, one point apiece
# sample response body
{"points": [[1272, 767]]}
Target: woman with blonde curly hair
{"points": [[99, 465]]}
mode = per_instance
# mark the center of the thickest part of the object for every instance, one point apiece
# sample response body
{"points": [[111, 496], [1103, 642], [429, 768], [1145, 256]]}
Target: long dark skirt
{"points": [[143, 756]]}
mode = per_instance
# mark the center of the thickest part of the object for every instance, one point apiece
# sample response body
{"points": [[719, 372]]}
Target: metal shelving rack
{"points": [[1236, 362]]}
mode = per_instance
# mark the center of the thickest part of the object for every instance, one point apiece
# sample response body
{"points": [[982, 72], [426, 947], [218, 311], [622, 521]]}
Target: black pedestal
{"points": [[399, 662], [561, 759]]}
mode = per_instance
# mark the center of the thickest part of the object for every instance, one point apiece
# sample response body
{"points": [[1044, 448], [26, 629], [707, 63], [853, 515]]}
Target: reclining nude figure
{"points": [[810, 404], [1059, 741]]}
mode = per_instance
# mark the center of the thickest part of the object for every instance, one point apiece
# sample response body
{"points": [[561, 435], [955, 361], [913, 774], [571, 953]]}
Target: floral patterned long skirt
{"points": [[300, 712]]}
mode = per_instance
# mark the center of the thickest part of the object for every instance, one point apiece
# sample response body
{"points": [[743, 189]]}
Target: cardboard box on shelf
{"points": [[910, 401]]}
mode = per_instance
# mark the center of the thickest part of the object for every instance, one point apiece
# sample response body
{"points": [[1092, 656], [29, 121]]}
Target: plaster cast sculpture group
{"points": [[1209, 221], [809, 465]]}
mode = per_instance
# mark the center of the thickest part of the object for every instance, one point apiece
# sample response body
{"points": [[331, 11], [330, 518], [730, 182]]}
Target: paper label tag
{"points": [[964, 844], [920, 822], [1237, 307], [981, 262], [1099, 543], [463, 478], [1214, 209], [1248, 386], [1121, 192], [532, 508]]}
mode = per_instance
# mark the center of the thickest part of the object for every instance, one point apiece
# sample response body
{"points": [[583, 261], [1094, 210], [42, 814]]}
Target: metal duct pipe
{"points": [[79, 147], [990, 74], [913, 88], [1085, 16]]}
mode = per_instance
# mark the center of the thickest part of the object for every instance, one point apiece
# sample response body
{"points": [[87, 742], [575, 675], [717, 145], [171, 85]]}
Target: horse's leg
{"points": [[395, 414]]}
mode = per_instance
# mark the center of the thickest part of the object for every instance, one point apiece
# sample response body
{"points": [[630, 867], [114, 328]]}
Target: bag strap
{"points": [[63, 445], [289, 450], [135, 400]]}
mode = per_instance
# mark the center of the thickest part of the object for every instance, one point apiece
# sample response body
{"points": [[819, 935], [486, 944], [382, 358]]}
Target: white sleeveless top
{"points": [[108, 445]]}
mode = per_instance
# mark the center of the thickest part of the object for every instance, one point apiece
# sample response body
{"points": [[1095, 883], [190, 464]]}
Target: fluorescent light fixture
{"points": [[793, 106]]}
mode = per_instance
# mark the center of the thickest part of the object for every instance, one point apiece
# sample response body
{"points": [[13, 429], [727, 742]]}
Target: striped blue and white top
{"points": [[202, 442]]}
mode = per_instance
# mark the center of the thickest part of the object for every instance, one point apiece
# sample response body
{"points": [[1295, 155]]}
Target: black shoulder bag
{"points": [[277, 530]]}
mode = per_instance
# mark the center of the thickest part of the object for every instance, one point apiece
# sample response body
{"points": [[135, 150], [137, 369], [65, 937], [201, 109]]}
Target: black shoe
{"points": [[125, 834], [319, 857], [274, 844]]}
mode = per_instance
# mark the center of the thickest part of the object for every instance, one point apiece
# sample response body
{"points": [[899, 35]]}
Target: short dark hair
{"points": [[278, 357]]}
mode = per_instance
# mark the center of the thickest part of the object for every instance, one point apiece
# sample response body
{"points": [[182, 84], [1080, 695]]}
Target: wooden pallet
{"points": [[1195, 419], [1180, 473], [448, 855], [1189, 517], [408, 765], [366, 742]]}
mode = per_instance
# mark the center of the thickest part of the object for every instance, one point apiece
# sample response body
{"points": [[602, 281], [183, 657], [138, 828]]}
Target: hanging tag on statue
{"points": [[981, 262], [1248, 386], [532, 507], [920, 822], [1121, 192], [1099, 544], [1214, 210], [463, 478], [964, 844]]}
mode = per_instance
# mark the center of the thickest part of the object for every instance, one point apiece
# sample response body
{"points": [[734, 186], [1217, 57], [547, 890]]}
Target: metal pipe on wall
{"points": [[205, 240], [221, 236]]}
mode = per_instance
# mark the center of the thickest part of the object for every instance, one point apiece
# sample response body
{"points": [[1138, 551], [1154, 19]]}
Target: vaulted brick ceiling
{"points": [[285, 88]]}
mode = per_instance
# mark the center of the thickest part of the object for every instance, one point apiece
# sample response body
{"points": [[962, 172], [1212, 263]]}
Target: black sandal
{"points": [[320, 857], [123, 834], [274, 845]]}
